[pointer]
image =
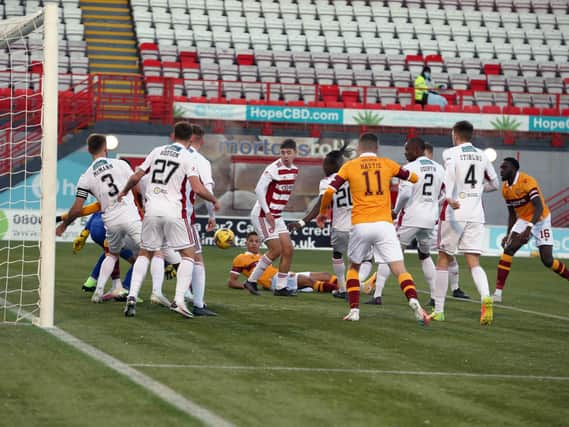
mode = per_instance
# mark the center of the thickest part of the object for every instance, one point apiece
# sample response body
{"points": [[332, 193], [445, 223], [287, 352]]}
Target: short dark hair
{"points": [[251, 233], [182, 131], [369, 141], [513, 162], [419, 142], [428, 147], [197, 130], [96, 142], [288, 143], [463, 130]]}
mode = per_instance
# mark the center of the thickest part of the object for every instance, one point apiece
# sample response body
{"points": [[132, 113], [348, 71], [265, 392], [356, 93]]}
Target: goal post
{"points": [[28, 165]]}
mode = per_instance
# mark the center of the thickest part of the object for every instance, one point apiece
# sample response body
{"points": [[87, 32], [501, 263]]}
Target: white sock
{"points": [[262, 265], [383, 272], [281, 280], [171, 256], [183, 278], [117, 284], [453, 275], [498, 292], [138, 275], [441, 287], [340, 272], [481, 281], [157, 272], [365, 269], [429, 271], [107, 268], [198, 284]]}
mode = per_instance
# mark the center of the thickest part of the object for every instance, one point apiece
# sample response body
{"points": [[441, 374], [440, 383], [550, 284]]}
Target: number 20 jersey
{"points": [[466, 169], [104, 179], [341, 204], [422, 208], [169, 167]]}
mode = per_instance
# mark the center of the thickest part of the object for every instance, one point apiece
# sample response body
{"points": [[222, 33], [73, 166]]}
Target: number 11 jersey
{"points": [[466, 169], [169, 167]]}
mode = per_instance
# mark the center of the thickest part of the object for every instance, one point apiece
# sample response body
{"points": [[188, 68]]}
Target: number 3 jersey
{"points": [[418, 203], [104, 179], [341, 204], [169, 167], [466, 169]]}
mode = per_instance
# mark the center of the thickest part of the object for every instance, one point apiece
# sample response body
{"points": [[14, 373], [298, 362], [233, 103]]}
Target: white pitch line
{"points": [[508, 307], [352, 371], [160, 390]]}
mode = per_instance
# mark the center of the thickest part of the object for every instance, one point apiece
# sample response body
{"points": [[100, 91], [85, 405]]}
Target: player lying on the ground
{"points": [[245, 263], [528, 216]]}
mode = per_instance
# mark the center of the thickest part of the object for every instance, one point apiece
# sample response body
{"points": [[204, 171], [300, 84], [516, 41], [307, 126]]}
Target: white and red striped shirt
{"points": [[274, 189]]}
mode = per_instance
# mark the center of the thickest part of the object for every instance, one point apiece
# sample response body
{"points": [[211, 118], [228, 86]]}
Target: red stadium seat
{"points": [[432, 108], [510, 109], [531, 111], [472, 109], [245, 59], [492, 69], [451, 108], [491, 109], [413, 107], [478, 85], [565, 112], [550, 112], [393, 107], [329, 92], [350, 96]]}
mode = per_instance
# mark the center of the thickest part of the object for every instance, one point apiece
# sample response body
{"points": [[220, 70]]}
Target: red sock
{"points": [[504, 266], [329, 287], [560, 269], [353, 286], [407, 285]]}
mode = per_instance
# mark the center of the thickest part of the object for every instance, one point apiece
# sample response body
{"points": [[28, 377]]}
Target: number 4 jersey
{"points": [[169, 167], [341, 204], [104, 179], [466, 169]]}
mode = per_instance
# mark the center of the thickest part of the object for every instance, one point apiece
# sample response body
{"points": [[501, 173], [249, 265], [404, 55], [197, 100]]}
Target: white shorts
{"points": [[160, 231], [340, 240], [425, 237], [541, 231], [377, 236], [263, 229], [291, 280], [461, 236], [171, 256], [126, 235]]}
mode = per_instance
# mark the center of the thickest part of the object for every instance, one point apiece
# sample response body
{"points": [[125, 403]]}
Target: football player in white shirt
{"points": [[417, 209], [165, 221], [103, 179], [462, 229], [273, 191]]}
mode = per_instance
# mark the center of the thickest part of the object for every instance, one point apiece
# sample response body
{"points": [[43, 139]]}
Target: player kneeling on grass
{"points": [[245, 263], [528, 216]]}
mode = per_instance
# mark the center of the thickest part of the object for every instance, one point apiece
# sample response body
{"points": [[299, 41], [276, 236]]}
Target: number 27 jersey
{"points": [[169, 167]]}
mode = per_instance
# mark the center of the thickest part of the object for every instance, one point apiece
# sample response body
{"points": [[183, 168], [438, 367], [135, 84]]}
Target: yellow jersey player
{"points": [[528, 216], [246, 262], [369, 177]]}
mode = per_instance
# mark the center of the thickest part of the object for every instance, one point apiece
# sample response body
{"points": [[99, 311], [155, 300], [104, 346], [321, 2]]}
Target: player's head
{"points": [[368, 143], [509, 168], [426, 73], [414, 148], [334, 160], [288, 151], [252, 242], [428, 153], [182, 132], [197, 138], [97, 144], [462, 132]]}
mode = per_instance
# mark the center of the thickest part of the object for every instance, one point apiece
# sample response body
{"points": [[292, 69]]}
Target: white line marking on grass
{"points": [[507, 307], [353, 371], [158, 389]]}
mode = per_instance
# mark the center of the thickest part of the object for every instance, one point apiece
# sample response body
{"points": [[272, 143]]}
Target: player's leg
{"points": [[98, 233], [91, 282], [453, 277], [513, 244], [339, 241], [383, 273], [273, 244], [425, 238], [285, 260], [115, 236], [320, 281], [544, 239], [157, 274], [198, 279]]}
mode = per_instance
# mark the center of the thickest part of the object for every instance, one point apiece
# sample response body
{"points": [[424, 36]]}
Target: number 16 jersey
{"points": [[104, 179], [169, 167]]}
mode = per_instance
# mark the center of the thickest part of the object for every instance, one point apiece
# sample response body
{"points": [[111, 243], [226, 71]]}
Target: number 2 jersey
{"points": [[420, 202], [341, 204], [466, 169], [104, 179], [169, 167]]}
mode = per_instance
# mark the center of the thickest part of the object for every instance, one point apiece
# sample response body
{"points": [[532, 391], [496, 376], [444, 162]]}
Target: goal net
{"points": [[28, 155]]}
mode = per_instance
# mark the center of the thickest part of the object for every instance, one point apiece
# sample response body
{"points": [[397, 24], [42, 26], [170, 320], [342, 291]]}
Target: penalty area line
{"points": [[352, 371], [156, 388]]}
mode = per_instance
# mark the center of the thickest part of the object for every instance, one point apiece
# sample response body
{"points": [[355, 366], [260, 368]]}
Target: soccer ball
{"points": [[224, 238]]}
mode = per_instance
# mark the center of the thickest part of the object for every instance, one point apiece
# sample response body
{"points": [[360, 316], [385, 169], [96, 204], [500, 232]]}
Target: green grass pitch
{"points": [[379, 371]]}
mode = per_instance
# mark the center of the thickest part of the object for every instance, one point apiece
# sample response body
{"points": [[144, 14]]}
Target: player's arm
{"points": [[491, 182], [72, 214], [261, 191], [328, 195], [233, 281], [85, 210], [132, 181], [449, 182], [200, 190], [403, 197], [309, 216], [406, 175]]}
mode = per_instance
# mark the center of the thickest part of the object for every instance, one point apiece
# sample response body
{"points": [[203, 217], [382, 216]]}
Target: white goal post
{"points": [[28, 145]]}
